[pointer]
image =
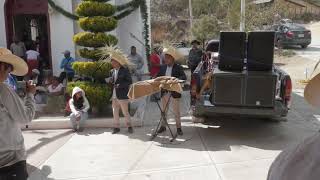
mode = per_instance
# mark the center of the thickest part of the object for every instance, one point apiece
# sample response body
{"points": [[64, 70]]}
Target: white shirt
{"points": [[32, 55], [54, 90], [114, 95], [169, 71]]}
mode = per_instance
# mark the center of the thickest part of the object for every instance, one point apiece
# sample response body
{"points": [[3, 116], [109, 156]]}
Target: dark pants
{"points": [[192, 68], [16, 171]]}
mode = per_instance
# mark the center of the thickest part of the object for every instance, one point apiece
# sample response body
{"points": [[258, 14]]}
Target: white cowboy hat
{"points": [[20, 67], [172, 52]]}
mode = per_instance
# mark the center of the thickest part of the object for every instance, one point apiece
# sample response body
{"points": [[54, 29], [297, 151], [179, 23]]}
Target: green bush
{"points": [[93, 54], [95, 40], [98, 70], [98, 95], [98, 23], [93, 8]]}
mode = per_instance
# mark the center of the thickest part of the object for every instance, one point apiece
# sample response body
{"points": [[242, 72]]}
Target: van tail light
{"points": [[290, 34], [288, 91]]}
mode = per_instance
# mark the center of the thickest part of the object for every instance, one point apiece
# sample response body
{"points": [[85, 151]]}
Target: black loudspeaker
{"points": [[229, 88], [260, 51], [260, 89], [232, 51]]}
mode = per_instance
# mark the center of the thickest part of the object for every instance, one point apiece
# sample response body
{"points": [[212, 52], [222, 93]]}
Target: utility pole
{"points": [[190, 16], [243, 15]]}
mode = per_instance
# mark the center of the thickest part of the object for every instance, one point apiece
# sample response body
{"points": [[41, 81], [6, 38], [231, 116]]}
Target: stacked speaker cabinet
{"points": [[260, 89], [229, 88], [232, 51], [260, 51]]}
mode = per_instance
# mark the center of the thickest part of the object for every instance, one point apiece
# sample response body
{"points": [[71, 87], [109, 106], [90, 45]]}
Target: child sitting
{"points": [[79, 106]]}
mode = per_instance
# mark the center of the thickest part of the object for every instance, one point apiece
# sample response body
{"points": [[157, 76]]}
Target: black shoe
{"points": [[115, 130], [130, 130], [161, 130], [179, 131]]}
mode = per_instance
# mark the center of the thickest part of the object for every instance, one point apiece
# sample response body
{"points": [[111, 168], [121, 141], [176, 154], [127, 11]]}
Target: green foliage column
{"points": [[96, 18]]}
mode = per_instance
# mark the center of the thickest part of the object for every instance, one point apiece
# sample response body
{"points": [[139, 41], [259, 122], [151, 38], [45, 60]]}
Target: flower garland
{"points": [[123, 10], [62, 11]]}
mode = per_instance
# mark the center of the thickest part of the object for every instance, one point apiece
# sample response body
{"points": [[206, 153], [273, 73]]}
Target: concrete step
{"points": [[46, 123]]}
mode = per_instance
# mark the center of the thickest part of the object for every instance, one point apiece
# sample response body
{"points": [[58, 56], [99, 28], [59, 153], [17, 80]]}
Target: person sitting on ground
{"points": [[79, 106], [33, 58], [56, 88]]}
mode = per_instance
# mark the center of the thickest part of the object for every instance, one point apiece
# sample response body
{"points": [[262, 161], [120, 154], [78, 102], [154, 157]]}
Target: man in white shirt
{"points": [[172, 69], [18, 48]]}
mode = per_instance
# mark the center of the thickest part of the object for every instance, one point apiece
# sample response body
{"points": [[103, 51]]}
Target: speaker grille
{"points": [[260, 89], [260, 51], [228, 88]]}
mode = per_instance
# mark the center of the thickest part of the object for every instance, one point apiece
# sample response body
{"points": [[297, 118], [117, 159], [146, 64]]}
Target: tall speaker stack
{"points": [[260, 51], [239, 84], [232, 51]]}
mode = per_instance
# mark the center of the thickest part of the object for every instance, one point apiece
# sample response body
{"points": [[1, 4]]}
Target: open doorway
{"points": [[33, 31], [29, 22]]}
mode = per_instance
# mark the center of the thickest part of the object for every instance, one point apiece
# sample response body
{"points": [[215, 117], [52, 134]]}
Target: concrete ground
{"points": [[220, 149]]}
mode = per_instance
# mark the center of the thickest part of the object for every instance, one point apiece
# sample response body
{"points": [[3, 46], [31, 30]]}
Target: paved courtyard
{"points": [[220, 149]]}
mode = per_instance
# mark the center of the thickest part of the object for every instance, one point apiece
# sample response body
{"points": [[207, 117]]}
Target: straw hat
{"points": [[312, 91], [20, 67], [113, 53], [172, 52]]}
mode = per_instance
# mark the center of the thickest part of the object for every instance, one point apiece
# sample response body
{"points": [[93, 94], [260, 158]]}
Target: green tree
{"points": [[97, 17], [206, 28]]}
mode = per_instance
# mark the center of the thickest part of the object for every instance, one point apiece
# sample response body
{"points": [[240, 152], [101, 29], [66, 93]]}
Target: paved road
{"points": [[313, 51]]}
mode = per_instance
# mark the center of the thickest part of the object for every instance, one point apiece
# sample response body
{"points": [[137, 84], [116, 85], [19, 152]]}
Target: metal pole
{"points": [[243, 15], [191, 17]]}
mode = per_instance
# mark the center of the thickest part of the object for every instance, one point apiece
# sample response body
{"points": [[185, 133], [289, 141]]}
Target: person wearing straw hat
{"points": [[121, 81], [171, 68], [13, 113]]}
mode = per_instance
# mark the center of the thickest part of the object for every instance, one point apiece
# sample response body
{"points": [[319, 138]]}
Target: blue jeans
{"points": [[76, 125]]}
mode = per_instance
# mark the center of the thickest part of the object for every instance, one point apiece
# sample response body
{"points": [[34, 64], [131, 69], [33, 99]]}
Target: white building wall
{"points": [[63, 28], [3, 38], [62, 31], [128, 26]]}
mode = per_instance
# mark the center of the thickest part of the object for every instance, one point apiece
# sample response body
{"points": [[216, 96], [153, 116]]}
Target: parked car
{"points": [[290, 34]]}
